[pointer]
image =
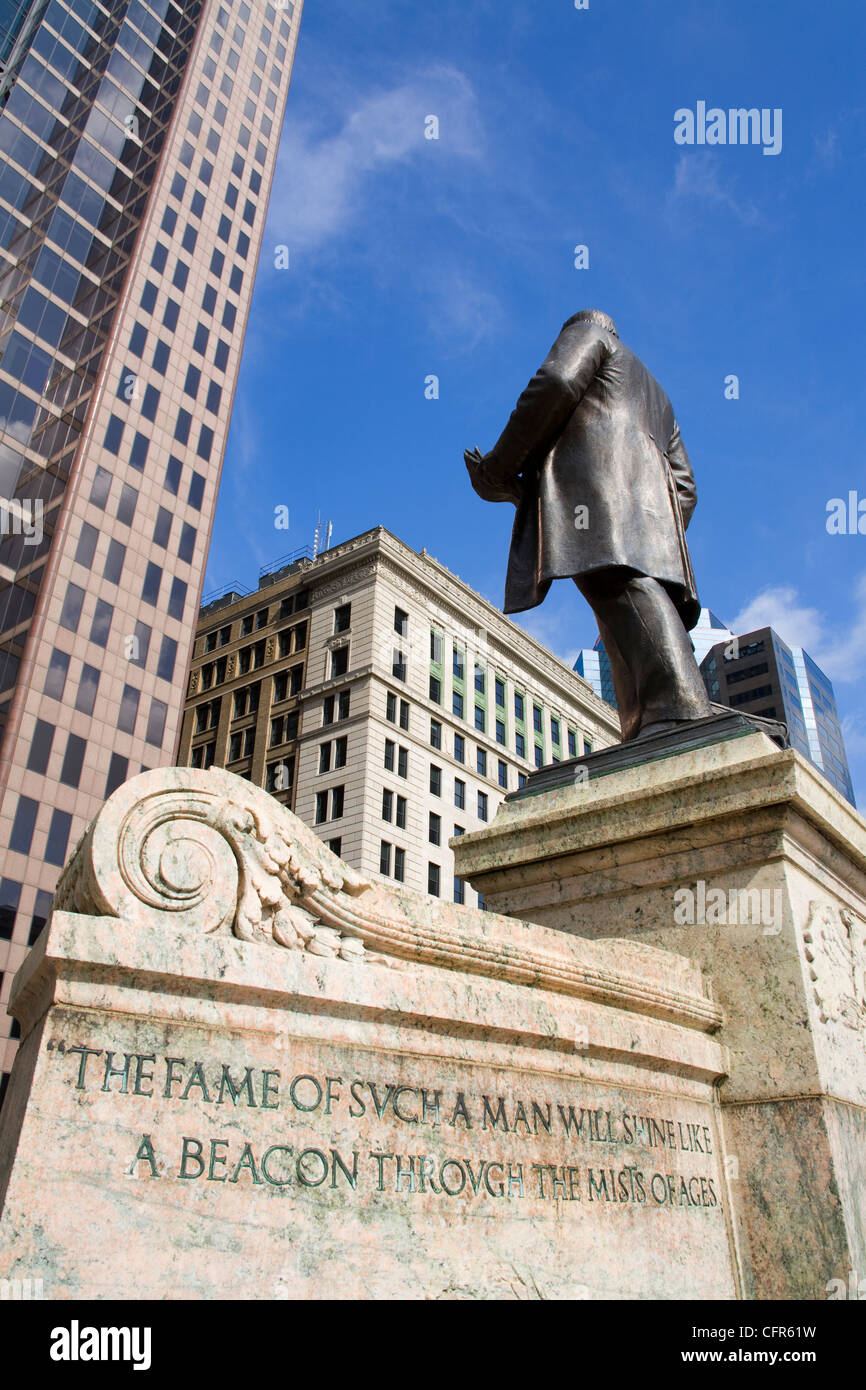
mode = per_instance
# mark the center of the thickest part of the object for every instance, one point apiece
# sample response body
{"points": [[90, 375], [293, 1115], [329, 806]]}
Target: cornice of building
{"points": [[362, 556]]}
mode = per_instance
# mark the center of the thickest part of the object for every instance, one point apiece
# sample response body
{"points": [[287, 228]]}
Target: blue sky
{"points": [[455, 257]]}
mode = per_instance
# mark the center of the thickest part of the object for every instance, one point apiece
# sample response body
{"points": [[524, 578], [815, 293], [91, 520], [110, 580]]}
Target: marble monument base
{"points": [[248, 1073], [742, 858]]}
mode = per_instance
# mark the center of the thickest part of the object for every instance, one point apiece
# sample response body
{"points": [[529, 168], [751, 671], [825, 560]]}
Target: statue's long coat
{"points": [[593, 430]]}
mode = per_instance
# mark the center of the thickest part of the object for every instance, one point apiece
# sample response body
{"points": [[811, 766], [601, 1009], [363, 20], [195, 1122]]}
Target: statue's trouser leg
{"points": [[651, 656]]}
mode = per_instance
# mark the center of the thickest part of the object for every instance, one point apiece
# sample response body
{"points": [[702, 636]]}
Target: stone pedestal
{"points": [[742, 858], [246, 1072]]}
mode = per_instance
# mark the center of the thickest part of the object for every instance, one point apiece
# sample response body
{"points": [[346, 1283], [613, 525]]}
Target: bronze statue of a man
{"points": [[593, 459]]}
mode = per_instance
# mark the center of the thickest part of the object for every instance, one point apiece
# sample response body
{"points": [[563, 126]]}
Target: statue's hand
{"points": [[488, 488]]}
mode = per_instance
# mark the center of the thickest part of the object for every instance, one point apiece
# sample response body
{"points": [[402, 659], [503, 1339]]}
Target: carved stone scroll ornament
{"points": [[197, 851]]}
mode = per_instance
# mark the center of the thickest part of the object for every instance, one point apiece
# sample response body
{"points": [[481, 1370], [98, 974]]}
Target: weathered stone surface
{"points": [[743, 858], [247, 1073]]}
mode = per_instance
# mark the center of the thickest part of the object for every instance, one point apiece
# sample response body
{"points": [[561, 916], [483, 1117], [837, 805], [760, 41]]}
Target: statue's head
{"points": [[597, 317]]}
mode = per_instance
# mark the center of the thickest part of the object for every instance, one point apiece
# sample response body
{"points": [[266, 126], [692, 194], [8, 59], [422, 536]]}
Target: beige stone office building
{"points": [[138, 144], [384, 701]]}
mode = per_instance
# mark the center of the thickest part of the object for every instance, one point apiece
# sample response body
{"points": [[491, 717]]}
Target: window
{"points": [[342, 617], [10, 893], [400, 818], [500, 732], [86, 547], [140, 645], [156, 723], [161, 354], [343, 704], [40, 746], [114, 561], [434, 833], [23, 825], [387, 805], [433, 876], [500, 692], [117, 771], [436, 690], [401, 622], [128, 712], [398, 664], [435, 648], [536, 719], [587, 746], [167, 658], [391, 708], [480, 680], [339, 662], [459, 748], [73, 761], [480, 719], [459, 890], [458, 664], [459, 794], [127, 504], [177, 599], [113, 434], [555, 735], [172, 475], [162, 527], [390, 749], [482, 806], [435, 780], [324, 757], [336, 846], [385, 858], [101, 625], [435, 733], [572, 744], [519, 708], [521, 779], [399, 864], [457, 705], [101, 487], [481, 762], [520, 745], [404, 714], [503, 774], [138, 452], [58, 838], [402, 762], [55, 679], [337, 802], [152, 582], [186, 548], [539, 755], [88, 684]]}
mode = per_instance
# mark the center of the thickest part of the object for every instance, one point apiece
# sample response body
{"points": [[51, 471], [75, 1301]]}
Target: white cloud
{"points": [[838, 647], [321, 179], [697, 180]]}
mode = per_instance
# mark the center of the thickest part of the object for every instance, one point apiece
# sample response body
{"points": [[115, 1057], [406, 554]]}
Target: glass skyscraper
{"points": [[762, 675], [138, 142]]}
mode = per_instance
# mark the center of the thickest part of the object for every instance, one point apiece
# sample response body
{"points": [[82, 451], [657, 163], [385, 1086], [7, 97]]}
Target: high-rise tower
{"points": [[138, 140]]}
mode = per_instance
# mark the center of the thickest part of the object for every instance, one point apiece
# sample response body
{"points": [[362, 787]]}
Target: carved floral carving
{"points": [[835, 945]]}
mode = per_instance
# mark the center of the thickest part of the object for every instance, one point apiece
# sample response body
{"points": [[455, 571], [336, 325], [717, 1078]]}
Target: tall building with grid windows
{"points": [[383, 701], [138, 142], [758, 673]]}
